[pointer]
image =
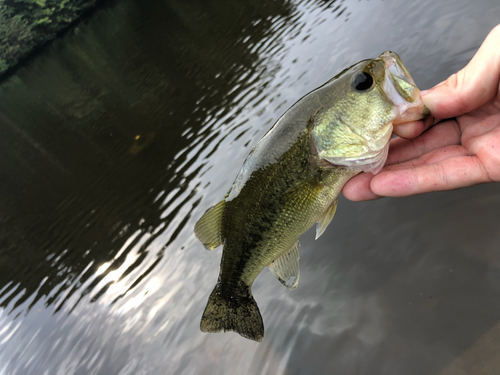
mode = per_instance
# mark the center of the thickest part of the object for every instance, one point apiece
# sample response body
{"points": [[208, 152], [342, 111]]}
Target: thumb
{"points": [[471, 87]]}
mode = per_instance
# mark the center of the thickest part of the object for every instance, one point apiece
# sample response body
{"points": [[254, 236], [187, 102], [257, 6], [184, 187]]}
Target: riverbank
{"points": [[26, 26]]}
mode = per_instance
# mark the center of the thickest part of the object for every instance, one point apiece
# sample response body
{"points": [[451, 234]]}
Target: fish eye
{"points": [[362, 81]]}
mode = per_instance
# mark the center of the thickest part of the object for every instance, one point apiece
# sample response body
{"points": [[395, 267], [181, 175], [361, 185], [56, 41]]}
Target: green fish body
{"points": [[292, 178]]}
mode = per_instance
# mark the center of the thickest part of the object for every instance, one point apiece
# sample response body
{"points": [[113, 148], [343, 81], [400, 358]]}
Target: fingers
{"points": [[444, 169], [448, 174], [472, 86], [432, 157], [358, 188], [413, 129], [444, 134]]}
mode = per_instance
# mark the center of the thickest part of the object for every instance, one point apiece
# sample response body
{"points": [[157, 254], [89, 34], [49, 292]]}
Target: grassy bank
{"points": [[26, 25]]}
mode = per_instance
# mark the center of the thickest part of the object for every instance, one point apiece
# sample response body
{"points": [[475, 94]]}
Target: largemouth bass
{"points": [[292, 178]]}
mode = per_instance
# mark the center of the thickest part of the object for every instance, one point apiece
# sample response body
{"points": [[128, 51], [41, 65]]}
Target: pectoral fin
{"points": [[208, 228], [326, 219], [286, 267]]}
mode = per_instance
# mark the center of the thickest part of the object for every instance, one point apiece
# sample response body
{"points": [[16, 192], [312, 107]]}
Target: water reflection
{"points": [[108, 134], [119, 137]]}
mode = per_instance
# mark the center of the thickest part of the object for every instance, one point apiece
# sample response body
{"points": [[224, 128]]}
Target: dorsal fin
{"points": [[286, 267], [326, 219], [208, 228]]}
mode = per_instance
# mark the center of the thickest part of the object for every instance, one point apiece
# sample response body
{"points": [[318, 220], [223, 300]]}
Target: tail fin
{"points": [[236, 312]]}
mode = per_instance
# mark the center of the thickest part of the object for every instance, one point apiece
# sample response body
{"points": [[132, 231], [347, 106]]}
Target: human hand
{"points": [[463, 150]]}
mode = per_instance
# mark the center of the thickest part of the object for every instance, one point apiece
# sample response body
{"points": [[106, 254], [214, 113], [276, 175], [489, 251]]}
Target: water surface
{"points": [[115, 141]]}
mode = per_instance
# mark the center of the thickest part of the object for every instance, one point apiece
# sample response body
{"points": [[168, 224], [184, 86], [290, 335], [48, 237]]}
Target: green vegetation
{"points": [[28, 24]]}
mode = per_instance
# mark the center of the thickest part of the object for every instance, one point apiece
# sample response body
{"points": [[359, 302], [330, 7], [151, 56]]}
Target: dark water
{"points": [[117, 139]]}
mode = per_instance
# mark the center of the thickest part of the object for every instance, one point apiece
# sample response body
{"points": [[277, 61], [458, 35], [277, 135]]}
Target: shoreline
{"points": [[26, 29]]}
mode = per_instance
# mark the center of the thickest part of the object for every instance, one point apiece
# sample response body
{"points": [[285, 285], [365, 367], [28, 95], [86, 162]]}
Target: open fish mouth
{"points": [[401, 89]]}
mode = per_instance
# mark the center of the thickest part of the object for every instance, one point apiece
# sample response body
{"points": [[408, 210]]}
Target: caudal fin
{"points": [[233, 312]]}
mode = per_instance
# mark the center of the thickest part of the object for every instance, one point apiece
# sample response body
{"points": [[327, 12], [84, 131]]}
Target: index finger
{"points": [[448, 174]]}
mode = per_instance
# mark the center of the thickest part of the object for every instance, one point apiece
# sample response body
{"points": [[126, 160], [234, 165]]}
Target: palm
{"points": [[480, 137]]}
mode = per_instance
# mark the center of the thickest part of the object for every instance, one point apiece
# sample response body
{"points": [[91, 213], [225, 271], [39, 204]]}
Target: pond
{"points": [[118, 137]]}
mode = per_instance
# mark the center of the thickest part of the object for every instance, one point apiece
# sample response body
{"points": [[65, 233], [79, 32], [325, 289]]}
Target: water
{"points": [[116, 140]]}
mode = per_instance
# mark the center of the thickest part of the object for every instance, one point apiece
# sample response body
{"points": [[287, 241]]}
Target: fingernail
{"points": [[424, 93]]}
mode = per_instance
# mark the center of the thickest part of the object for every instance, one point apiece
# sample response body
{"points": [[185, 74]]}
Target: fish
{"points": [[292, 178]]}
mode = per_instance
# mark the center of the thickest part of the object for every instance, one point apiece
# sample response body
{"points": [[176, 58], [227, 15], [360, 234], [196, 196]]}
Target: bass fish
{"points": [[292, 178]]}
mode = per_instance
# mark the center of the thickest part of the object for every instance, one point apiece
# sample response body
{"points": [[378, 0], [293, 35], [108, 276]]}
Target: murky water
{"points": [[116, 140]]}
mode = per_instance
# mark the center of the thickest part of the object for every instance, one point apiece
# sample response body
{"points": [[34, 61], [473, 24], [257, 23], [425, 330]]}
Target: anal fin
{"points": [[286, 267], [326, 219]]}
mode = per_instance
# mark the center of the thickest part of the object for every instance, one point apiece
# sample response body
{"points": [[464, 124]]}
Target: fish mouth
{"points": [[401, 89]]}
